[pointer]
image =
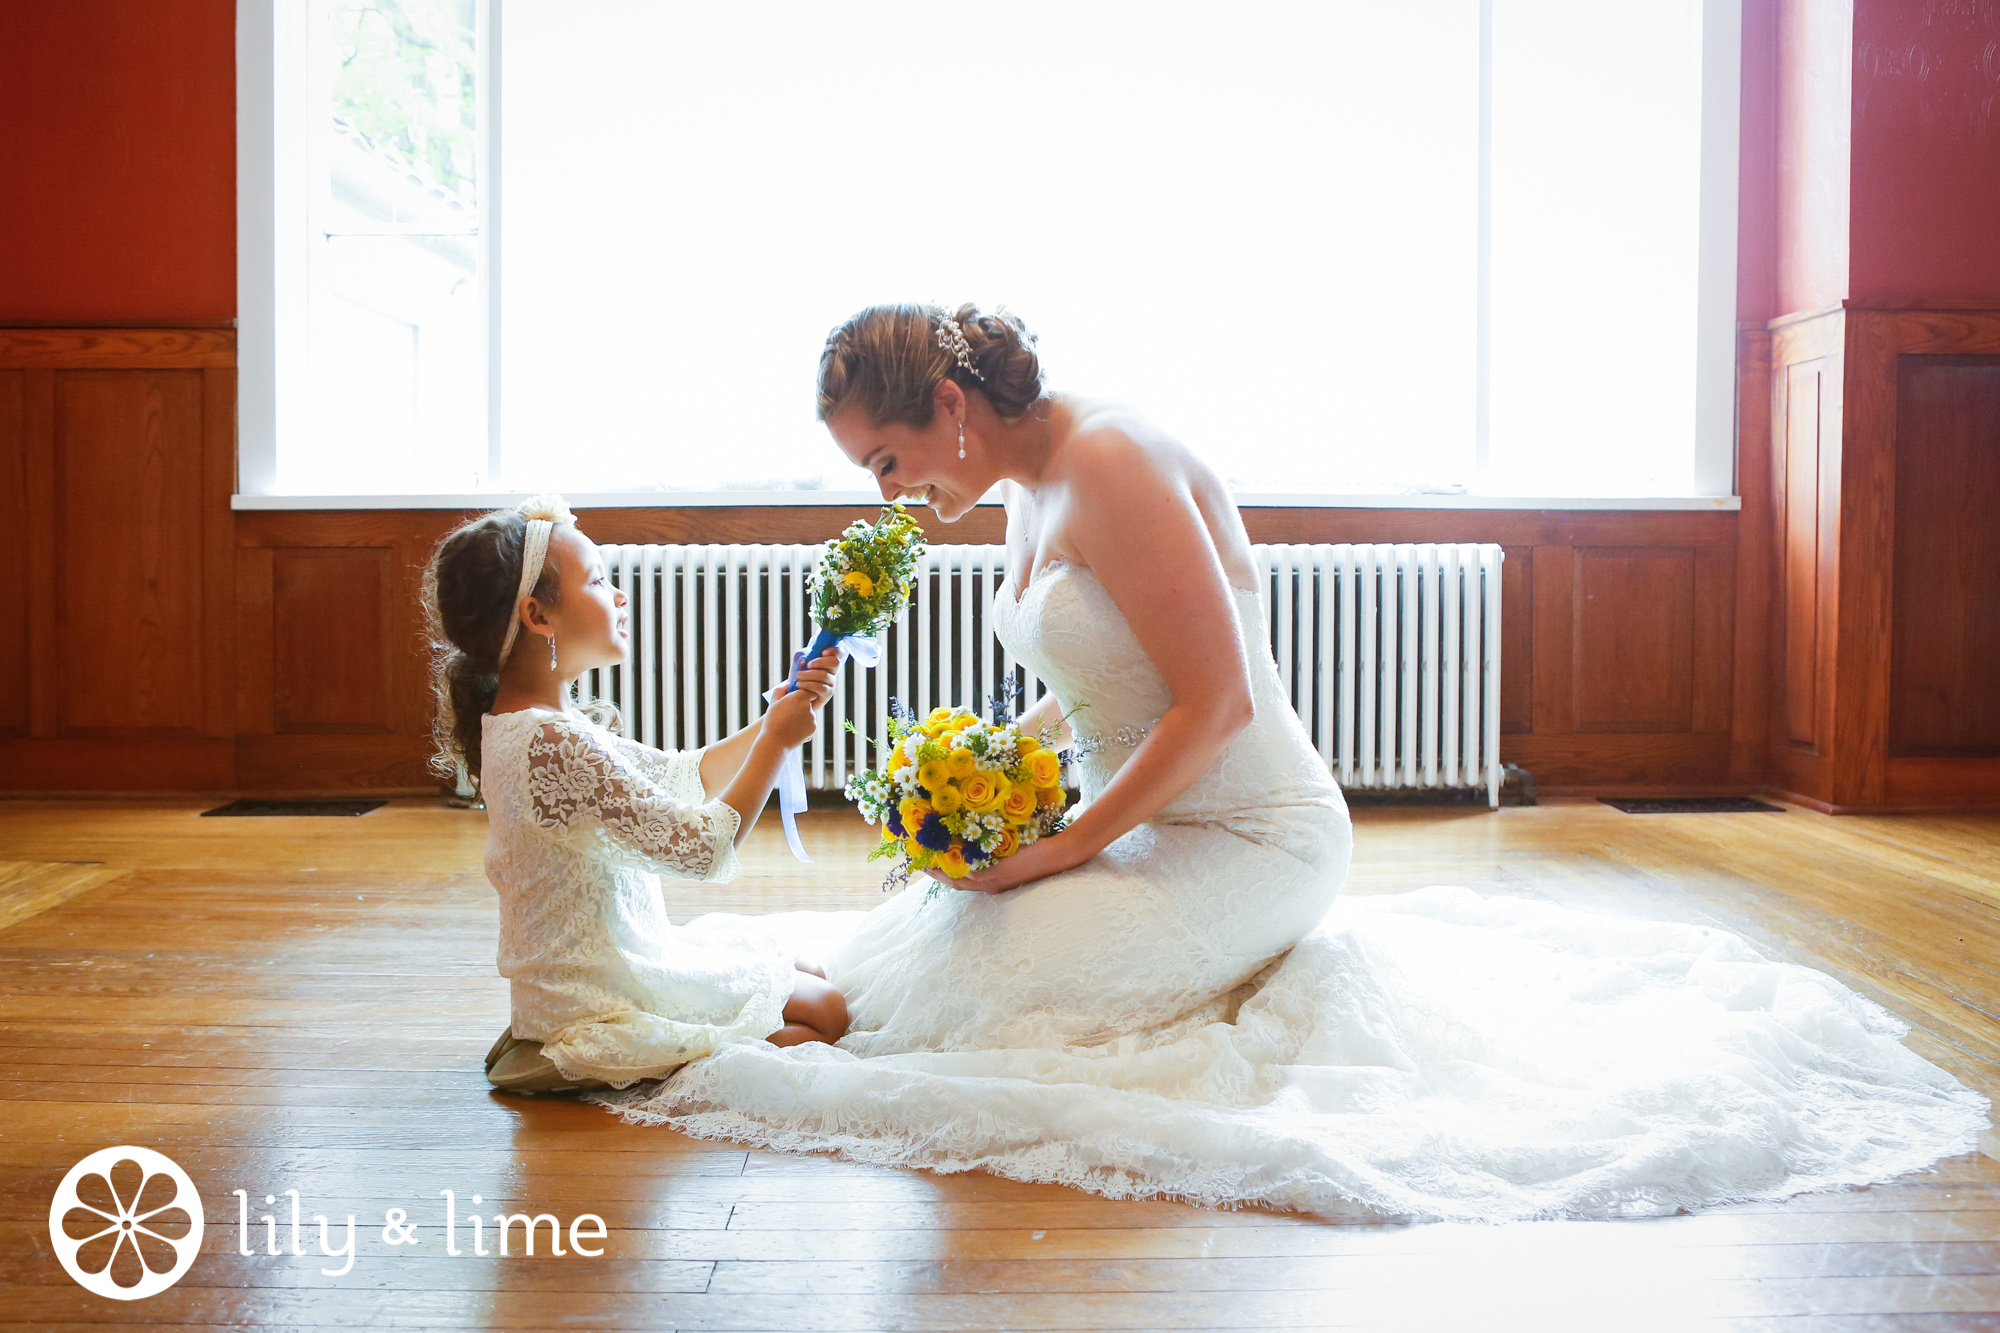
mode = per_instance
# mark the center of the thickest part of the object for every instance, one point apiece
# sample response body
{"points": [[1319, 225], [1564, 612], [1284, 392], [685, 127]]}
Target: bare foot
{"points": [[816, 1012]]}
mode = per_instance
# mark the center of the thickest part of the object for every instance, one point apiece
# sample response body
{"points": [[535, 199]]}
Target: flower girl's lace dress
{"points": [[1191, 1014], [583, 824]]}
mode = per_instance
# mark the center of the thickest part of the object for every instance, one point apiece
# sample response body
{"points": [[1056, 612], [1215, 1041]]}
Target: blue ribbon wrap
{"points": [[866, 650]]}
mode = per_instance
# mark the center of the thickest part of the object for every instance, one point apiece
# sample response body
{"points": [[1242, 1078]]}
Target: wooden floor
{"points": [[283, 1004]]}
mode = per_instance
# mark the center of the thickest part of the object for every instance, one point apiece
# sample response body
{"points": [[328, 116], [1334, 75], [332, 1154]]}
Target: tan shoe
{"points": [[501, 1045], [519, 1067]]}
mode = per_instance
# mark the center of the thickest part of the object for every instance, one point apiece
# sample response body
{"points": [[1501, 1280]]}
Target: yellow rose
{"points": [[979, 791], [860, 582], [914, 813], [1046, 767], [1010, 842], [939, 714], [946, 800], [1049, 795], [898, 761], [933, 775], [963, 762], [1018, 804], [1026, 746], [952, 861], [913, 847]]}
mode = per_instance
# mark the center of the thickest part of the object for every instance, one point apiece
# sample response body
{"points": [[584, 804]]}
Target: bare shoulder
{"points": [[1114, 448], [1121, 471]]}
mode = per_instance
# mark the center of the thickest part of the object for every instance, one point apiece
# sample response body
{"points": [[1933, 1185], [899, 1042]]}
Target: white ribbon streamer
{"points": [[792, 777]]}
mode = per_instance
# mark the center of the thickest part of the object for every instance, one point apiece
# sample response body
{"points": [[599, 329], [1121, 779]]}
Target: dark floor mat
{"points": [[1690, 805], [260, 808]]}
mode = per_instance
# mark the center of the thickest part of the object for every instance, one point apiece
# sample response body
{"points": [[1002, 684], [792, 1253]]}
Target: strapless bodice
{"points": [[1067, 629]]}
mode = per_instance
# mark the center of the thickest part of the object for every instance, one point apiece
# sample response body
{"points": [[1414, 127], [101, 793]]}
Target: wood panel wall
{"points": [[172, 644], [1944, 639], [1886, 468], [1617, 661], [120, 447]]}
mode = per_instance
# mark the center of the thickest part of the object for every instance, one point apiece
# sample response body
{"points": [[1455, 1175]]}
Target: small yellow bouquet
{"points": [[863, 581], [958, 793]]}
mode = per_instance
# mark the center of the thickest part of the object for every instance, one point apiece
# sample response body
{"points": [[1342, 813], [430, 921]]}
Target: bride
{"points": [[1166, 999]]}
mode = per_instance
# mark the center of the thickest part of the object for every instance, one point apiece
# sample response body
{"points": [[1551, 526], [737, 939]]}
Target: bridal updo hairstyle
{"points": [[888, 360], [469, 600]]}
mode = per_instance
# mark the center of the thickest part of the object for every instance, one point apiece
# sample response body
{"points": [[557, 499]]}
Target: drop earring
{"points": [[961, 439], [552, 652]]}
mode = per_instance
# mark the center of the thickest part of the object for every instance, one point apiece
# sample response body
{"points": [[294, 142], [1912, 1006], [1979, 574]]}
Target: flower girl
{"points": [[606, 991]]}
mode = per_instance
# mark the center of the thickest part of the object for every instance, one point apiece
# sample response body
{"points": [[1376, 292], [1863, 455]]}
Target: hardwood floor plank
{"points": [[30, 887], [1863, 1323], [1693, 1264], [671, 1155], [1579, 1239], [223, 1266], [303, 1004], [985, 1216], [1400, 1323], [576, 1274], [1650, 1306]]}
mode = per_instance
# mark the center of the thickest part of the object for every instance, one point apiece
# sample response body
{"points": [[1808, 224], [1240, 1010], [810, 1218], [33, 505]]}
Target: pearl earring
{"points": [[552, 652], [961, 439]]}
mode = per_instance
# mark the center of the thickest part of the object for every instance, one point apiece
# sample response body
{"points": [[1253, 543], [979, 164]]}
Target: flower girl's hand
{"points": [[1038, 860], [793, 717]]}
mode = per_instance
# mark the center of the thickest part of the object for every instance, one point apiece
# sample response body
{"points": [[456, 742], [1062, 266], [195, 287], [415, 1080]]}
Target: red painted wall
{"points": [[1882, 181], [1757, 169], [1925, 222], [1813, 101], [117, 160]]}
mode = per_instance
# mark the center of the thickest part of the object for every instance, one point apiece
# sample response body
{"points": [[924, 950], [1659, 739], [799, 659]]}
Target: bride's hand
{"points": [[1036, 861]]}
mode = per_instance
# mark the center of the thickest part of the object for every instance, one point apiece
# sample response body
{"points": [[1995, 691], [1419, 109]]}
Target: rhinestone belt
{"points": [[1123, 738]]}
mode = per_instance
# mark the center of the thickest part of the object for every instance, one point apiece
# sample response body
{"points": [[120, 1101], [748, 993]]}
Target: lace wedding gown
{"points": [[1191, 1015]]}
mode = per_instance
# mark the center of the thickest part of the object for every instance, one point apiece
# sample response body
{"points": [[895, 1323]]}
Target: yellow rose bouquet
{"points": [[958, 793]]}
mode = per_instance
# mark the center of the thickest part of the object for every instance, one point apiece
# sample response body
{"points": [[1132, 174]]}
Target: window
{"points": [[397, 335], [1336, 248]]}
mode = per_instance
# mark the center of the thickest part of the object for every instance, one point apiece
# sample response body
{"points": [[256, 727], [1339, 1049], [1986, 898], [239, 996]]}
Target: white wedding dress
{"points": [[1192, 1015]]}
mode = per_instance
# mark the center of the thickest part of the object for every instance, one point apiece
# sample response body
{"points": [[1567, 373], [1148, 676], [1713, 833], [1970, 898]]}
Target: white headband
{"points": [[543, 512]]}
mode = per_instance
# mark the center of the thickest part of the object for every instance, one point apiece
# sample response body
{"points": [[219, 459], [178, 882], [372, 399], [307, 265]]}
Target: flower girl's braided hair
{"points": [[891, 358], [472, 594]]}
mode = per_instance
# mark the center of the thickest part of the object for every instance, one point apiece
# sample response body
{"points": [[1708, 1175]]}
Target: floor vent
{"points": [[248, 809], [1690, 805]]}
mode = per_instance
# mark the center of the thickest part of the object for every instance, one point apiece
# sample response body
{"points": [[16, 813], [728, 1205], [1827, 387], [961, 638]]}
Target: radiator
{"points": [[1389, 653]]}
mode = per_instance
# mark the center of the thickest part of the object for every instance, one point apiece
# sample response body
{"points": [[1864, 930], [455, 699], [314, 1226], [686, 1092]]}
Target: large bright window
{"points": [[1337, 248]]}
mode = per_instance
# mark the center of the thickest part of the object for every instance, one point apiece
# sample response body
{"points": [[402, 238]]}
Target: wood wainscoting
{"points": [[117, 457], [1616, 668], [174, 645], [1885, 469]]}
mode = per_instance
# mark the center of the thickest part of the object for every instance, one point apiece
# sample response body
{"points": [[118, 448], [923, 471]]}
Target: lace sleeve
{"points": [[583, 791], [678, 772]]}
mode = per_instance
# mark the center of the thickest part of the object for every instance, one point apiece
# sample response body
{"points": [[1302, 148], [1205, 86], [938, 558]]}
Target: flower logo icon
{"points": [[126, 1223]]}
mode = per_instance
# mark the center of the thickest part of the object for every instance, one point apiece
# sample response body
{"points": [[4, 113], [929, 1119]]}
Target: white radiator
{"points": [[1390, 653]]}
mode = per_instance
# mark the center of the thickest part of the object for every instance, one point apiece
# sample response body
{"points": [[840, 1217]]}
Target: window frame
{"points": [[273, 283]]}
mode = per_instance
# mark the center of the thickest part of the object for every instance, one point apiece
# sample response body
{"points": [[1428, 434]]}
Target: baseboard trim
{"points": [[1829, 808], [222, 795]]}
